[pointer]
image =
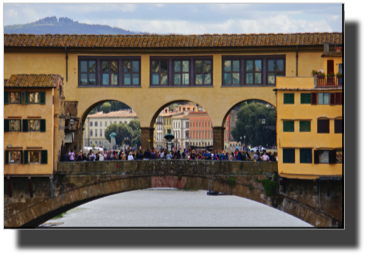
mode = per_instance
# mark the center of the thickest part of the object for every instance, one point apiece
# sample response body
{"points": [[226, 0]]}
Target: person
{"points": [[79, 156], [147, 155], [183, 154], [231, 158], [177, 155], [256, 156], [111, 157], [91, 156], [276, 157], [130, 157], [71, 155], [84, 158], [152, 155], [193, 155], [222, 156], [239, 156], [105, 156], [101, 156], [169, 156], [265, 157]]}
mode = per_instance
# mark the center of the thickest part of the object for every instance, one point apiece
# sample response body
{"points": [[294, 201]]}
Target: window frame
{"points": [[171, 68], [28, 157], [283, 155], [301, 98], [123, 60], [300, 154], [243, 58], [9, 156], [300, 126], [323, 99], [275, 73], [287, 126], [288, 95], [29, 120], [336, 127], [318, 126], [120, 73], [21, 93], [10, 125]]}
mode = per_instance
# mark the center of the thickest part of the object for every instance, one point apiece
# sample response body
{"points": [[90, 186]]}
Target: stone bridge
{"points": [[29, 203]]}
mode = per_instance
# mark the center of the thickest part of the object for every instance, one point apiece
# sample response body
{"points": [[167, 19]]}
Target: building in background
{"points": [[96, 124]]}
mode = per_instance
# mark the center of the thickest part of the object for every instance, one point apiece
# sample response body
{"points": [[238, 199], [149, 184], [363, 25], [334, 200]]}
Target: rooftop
{"points": [[32, 80], [120, 113], [171, 41]]}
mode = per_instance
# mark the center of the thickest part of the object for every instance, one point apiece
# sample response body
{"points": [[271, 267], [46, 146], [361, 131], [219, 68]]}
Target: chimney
{"points": [[326, 47]]}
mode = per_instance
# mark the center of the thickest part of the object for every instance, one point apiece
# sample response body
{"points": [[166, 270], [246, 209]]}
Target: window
{"points": [[178, 71], [105, 123], [322, 157], [252, 70], [111, 72], [91, 132], [15, 97], [288, 126], [159, 72], [289, 156], [305, 98], [276, 67], [288, 98], [100, 132], [34, 125], [305, 126], [34, 156], [100, 124], [338, 126], [323, 98], [231, 75], [306, 156], [15, 157], [91, 123], [96, 124], [323, 126], [15, 125], [338, 156], [96, 132], [336, 98], [181, 72], [87, 72], [131, 72], [33, 97]]}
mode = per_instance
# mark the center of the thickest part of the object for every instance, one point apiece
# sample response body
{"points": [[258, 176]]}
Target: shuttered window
{"points": [[313, 98], [304, 126], [325, 157], [289, 156], [42, 97], [305, 98], [42, 125], [288, 126], [339, 98], [332, 99], [6, 97], [338, 126], [6, 157], [288, 98], [25, 125], [26, 160], [6, 125], [323, 126], [306, 156]]}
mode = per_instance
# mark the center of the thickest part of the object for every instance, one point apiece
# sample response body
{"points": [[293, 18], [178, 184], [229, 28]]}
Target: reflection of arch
{"points": [[236, 104]]}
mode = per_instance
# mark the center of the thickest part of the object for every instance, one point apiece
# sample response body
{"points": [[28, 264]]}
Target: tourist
{"points": [[265, 157], [71, 156], [276, 157], [169, 156], [183, 154], [101, 156], [193, 155], [130, 156], [177, 155], [79, 156], [239, 156], [147, 155], [91, 156]]}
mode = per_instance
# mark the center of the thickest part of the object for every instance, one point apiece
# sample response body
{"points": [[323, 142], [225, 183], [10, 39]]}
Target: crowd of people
{"points": [[199, 154]]}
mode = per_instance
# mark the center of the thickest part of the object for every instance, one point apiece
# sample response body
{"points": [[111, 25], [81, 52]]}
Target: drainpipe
{"points": [[66, 62], [296, 57]]}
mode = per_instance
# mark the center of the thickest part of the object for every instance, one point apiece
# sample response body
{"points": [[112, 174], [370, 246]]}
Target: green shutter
{"points": [[288, 126], [305, 126], [25, 125], [289, 156], [6, 125], [6, 97], [42, 125], [305, 98], [6, 157], [42, 97], [21, 97], [288, 98], [21, 160], [26, 97], [44, 157], [26, 156], [306, 156]]}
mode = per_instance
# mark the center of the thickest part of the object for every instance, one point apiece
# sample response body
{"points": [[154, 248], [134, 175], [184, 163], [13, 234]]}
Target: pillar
{"points": [[146, 134], [151, 138], [218, 138]]}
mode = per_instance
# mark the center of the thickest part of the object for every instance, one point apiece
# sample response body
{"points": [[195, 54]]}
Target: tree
{"points": [[131, 130], [94, 145], [249, 124], [109, 130], [171, 107], [105, 107]]}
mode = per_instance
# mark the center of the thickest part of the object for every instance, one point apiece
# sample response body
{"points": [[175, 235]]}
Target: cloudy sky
{"points": [[189, 18]]}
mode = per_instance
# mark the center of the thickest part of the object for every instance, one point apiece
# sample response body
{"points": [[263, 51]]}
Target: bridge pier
{"points": [[218, 138], [146, 138]]}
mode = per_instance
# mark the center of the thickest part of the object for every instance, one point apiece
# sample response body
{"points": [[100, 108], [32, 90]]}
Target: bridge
{"points": [[28, 204]]}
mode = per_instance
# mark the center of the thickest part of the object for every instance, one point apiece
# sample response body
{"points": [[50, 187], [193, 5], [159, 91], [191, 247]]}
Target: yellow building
{"points": [[310, 123], [34, 124]]}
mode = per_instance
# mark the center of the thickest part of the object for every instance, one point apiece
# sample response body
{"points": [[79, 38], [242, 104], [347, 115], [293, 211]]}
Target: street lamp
{"points": [[241, 141], [244, 142]]}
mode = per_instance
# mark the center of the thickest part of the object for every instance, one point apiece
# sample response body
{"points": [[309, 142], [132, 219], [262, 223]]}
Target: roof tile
{"points": [[32, 80]]}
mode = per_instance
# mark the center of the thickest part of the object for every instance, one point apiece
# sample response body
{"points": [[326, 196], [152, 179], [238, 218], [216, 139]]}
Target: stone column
{"points": [[146, 134], [218, 138], [151, 138]]}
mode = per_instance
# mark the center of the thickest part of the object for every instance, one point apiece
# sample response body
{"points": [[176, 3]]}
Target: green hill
{"points": [[52, 25]]}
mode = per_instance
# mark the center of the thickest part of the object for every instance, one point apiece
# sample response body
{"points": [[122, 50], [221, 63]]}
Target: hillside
{"points": [[53, 25]]}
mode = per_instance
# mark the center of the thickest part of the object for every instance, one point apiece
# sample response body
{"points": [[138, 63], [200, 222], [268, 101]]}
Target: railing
{"points": [[328, 81]]}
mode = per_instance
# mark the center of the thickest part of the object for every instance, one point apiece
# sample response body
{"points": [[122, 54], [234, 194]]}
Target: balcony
{"points": [[328, 81]]}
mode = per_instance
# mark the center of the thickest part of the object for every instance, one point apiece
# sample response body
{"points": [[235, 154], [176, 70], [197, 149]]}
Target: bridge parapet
{"points": [[167, 167]]}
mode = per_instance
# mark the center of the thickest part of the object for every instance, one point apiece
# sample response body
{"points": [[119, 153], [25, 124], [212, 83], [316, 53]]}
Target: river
{"points": [[161, 207]]}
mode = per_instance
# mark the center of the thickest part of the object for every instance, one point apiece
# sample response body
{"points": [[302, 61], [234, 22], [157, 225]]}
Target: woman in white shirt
{"points": [[101, 156], [130, 157]]}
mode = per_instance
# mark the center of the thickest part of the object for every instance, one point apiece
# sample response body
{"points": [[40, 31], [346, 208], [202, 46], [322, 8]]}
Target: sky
{"points": [[189, 18]]}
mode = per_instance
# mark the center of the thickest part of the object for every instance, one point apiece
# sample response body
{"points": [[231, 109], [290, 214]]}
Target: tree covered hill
{"points": [[53, 25]]}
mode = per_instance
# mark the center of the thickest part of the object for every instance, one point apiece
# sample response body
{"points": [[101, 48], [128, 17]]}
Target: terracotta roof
{"points": [[171, 41], [199, 112], [310, 89], [120, 113], [32, 80]]}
